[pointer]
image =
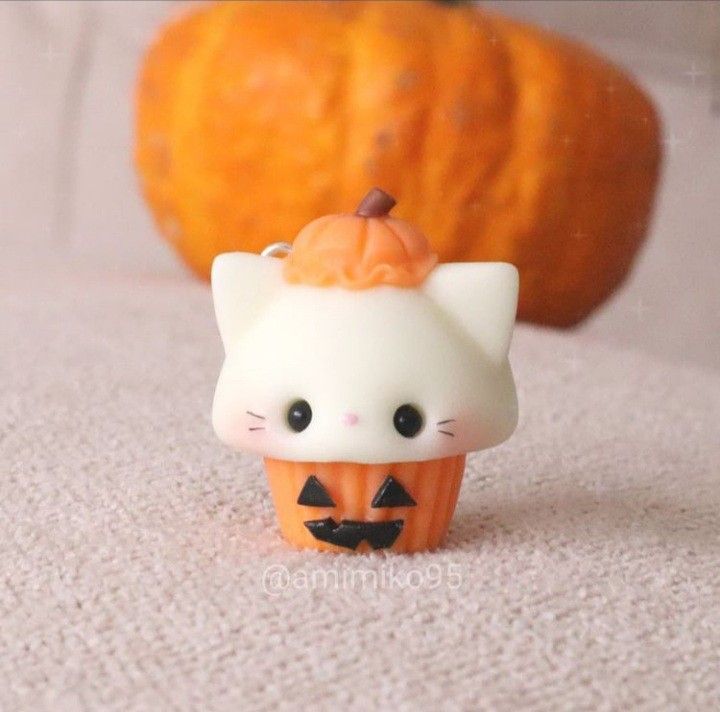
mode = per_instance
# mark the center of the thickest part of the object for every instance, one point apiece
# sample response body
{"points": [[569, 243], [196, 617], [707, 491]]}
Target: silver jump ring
{"points": [[276, 248]]}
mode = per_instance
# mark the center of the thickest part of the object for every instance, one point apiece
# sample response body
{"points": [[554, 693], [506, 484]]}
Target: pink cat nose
{"points": [[350, 419]]}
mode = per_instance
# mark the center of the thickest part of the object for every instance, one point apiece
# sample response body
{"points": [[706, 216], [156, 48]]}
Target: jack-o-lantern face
{"points": [[349, 532], [345, 506]]}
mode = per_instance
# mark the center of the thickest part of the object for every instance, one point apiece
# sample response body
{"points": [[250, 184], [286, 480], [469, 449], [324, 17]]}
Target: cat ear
{"points": [[481, 297], [241, 284]]}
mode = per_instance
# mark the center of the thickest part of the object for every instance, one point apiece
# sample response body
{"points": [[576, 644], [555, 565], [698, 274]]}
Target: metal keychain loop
{"points": [[277, 249]]}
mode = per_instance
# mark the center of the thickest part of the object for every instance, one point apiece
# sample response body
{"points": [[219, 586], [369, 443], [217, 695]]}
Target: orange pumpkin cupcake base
{"points": [[346, 506]]}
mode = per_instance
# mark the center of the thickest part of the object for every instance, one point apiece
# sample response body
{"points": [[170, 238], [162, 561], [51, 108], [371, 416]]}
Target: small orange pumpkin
{"points": [[355, 252], [500, 141]]}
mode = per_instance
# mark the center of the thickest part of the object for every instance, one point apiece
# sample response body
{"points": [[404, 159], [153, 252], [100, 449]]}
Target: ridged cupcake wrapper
{"points": [[347, 492]]}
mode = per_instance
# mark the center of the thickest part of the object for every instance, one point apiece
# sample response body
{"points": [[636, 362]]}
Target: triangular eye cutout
{"points": [[313, 494], [392, 494]]}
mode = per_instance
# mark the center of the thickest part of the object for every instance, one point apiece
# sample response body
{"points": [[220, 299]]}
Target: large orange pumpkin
{"points": [[500, 141]]}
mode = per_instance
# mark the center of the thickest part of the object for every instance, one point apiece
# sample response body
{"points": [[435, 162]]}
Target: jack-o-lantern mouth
{"points": [[349, 533]]}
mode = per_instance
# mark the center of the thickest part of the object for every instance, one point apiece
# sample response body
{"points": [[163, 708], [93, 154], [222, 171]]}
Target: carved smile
{"points": [[349, 533]]}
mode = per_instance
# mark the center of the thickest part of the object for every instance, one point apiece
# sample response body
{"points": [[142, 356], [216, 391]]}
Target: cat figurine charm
{"points": [[363, 372]]}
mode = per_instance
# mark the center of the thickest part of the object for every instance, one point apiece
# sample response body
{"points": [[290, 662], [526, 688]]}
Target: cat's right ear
{"points": [[241, 285]]}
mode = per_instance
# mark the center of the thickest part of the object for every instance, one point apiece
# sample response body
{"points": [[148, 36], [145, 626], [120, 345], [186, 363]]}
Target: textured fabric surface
{"points": [[582, 569]]}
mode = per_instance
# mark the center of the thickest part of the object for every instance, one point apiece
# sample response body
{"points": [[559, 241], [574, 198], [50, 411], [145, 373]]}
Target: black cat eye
{"points": [[408, 421], [299, 415]]}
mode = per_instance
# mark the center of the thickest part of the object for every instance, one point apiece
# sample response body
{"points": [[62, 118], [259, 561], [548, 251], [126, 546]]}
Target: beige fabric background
{"points": [[141, 568], [134, 546]]}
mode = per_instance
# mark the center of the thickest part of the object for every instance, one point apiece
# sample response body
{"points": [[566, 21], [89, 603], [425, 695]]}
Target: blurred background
{"points": [[67, 75]]}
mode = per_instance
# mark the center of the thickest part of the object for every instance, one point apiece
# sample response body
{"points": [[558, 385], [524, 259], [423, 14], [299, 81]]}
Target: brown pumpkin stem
{"points": [[375, 204]]}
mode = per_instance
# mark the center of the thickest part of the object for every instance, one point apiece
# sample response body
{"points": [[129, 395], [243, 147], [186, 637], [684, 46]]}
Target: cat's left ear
{"points": [[242, 283], [482, 299]]}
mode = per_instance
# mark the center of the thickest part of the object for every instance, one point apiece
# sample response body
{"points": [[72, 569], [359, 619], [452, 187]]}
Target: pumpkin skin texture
{"points": [[501, 142]]}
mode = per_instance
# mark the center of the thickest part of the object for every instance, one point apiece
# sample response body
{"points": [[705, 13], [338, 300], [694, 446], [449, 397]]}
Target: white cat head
{"points": [[319, 373]]}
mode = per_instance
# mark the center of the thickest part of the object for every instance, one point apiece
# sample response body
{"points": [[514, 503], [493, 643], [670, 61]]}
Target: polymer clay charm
{"points": [[363, 372]]}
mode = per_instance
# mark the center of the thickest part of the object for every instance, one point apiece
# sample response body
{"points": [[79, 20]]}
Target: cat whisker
{"points": [[446, 432], [255, 415], [256, 428], [443, 422]]}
